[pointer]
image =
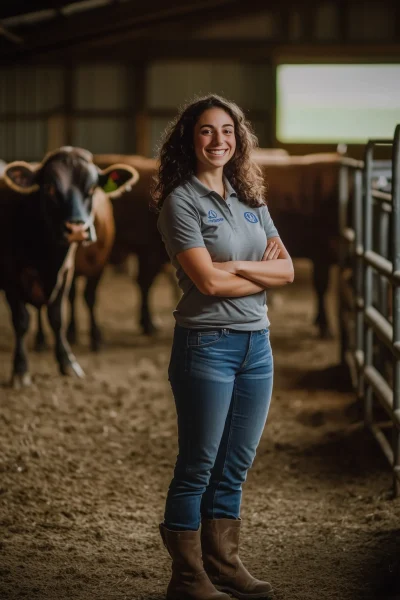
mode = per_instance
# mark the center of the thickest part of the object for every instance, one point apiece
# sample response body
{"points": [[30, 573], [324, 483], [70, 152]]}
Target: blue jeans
{"points": [[222, 384]]}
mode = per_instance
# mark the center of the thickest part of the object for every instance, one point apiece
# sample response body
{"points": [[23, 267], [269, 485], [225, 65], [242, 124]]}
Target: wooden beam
{"points": [[23, 7], [236, 50], [139, 121], [9, 35], [308, 19], [342, 12], [283, 16], [68, 103], [241, 50], [396, 16]]}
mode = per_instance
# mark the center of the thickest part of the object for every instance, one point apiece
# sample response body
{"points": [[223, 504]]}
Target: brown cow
{"points": [[136, 230], [303, 202], [45, 210]]}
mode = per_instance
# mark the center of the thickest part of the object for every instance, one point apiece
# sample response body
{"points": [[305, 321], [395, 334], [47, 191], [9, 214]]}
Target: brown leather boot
{"points": [[189, 580], [220, 545]]}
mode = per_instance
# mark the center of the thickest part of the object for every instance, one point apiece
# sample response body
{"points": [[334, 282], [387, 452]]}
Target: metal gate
{"points": [[369, 290]]}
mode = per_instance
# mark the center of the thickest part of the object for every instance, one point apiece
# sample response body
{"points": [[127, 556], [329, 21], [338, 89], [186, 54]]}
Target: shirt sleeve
{"points": [[180, 226], [269, 227]]}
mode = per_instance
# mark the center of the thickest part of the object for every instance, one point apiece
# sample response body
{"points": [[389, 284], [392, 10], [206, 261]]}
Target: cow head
{"points": [[65, 181]]}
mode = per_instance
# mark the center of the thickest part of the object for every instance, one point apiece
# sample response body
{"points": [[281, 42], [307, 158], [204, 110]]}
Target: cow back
{"points": [[302, 196]]}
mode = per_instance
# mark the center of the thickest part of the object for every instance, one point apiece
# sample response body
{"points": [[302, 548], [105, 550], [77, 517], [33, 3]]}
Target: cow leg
{"points": [[149, 267], [65, 358], [72, 329], [90, 299], [40, 339], [321, 279], [20, 320]]}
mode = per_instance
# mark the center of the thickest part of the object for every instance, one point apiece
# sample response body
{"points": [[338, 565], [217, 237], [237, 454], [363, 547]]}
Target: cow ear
{"points": [[116, 179], [21, 177]]}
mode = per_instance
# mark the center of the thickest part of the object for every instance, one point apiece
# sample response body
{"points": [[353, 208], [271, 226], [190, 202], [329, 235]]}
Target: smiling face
{"points": [[214, 139]]}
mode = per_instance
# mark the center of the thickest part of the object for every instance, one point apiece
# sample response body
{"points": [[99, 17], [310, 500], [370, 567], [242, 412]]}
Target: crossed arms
{"points": [[238, 277]]}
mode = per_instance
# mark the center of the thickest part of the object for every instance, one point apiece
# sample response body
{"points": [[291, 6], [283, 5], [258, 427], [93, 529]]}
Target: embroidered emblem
{"points": [[213, 217], [250, 217]]}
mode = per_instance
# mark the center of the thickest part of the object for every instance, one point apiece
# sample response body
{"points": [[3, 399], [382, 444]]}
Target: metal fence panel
{"points": [[371, 244]]}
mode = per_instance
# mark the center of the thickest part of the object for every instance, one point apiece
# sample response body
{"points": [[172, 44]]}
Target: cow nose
{"points": [[77, 229], [75, 232]]}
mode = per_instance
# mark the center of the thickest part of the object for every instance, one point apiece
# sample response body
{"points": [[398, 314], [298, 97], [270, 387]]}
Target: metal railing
{"points": [[369, 290]]}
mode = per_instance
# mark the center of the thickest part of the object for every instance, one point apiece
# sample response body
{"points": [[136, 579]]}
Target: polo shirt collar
{"points": [[229, 188], [203, 190]]}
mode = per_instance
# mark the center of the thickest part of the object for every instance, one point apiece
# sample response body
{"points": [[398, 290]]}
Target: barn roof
{"points": [[31, 30], [140, 30]]}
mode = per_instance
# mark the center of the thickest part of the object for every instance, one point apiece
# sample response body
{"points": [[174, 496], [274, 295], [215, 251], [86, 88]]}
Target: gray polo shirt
{"points": [[193, 216]]}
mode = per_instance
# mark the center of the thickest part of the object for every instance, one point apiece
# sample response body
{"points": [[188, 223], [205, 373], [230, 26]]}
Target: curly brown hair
{"points": [[178, 160]]}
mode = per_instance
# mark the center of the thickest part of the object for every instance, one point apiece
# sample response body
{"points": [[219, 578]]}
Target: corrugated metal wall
{"points": [[172, 83], [28, 95], [97, 87], [327, 21], [263, 25], [33, 105], [100, 105], [370, 20], [100, 135]]}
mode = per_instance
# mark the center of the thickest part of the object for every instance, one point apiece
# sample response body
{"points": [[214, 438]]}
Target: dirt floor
{"points": [[84, 468]]}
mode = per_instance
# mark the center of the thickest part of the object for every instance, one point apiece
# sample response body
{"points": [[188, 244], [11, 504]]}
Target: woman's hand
{"points": [[272, 251]]}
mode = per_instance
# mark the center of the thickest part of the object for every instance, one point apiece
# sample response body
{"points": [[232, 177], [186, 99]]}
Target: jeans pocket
{"points": [[201, 339]]}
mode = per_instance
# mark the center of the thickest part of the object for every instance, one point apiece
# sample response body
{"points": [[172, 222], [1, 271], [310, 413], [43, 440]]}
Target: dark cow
{"points": [[45, 212], [90, 261]]}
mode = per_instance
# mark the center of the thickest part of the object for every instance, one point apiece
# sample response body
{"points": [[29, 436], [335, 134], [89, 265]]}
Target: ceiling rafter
{"points": [[23, 7], [110, 19]]}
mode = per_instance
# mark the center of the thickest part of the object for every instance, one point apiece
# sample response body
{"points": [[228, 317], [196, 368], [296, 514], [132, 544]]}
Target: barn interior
{"points": [[86, 457]]}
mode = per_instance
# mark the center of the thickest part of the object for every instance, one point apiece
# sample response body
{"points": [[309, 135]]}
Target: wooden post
{"points": [[141, 116]]}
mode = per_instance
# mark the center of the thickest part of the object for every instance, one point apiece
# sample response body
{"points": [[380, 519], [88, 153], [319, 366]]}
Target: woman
{"points": [[221, 239]]}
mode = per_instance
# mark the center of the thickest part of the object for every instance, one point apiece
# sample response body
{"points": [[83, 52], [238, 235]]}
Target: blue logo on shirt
{"points": [[250, 217], [213, 217]]}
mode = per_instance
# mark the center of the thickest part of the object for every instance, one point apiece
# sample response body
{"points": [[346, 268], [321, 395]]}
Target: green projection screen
{"points": [[337, 103]]}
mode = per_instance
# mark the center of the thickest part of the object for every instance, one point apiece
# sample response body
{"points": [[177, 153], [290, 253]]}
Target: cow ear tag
{"points": [[21, 177], [116, 179]]}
